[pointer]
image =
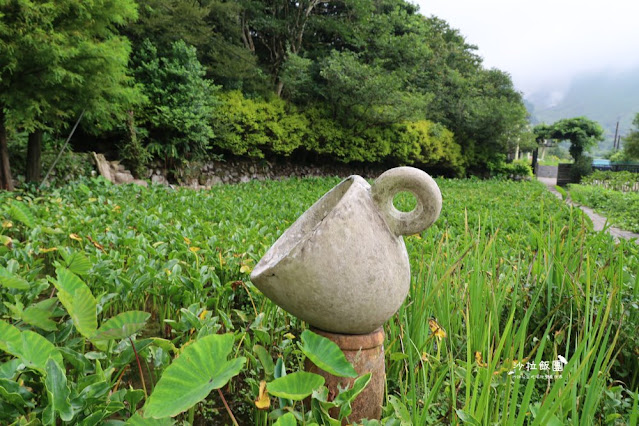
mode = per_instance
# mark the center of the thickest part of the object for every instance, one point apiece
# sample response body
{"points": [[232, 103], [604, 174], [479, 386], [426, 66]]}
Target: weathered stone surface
{"points": [[159, 179], [122, 177], [342, 266]]}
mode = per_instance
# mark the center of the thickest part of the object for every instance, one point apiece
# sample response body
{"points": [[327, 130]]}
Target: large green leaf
{"points": [[78, 301], [33, 315], [138, 420], [295, 386], [21, 212], [122, 325], [39, 318], [58, 393], [202, 367], [76, 262], [16, 395], [326, 355], [11, 280], [33, 349], [287, 419]]}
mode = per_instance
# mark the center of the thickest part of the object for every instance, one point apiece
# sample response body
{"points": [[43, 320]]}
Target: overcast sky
{"points": [[544, 42]]}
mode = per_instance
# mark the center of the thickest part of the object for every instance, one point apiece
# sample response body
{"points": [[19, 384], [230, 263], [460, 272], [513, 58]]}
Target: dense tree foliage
{"points": [[58, 59], [349, 81], [581, 132], [631, 141]]}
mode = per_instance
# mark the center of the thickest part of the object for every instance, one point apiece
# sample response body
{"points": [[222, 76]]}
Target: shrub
{"points": [[259, 127], [581, 167], [517, 170], [254, 127], [181, 102]]}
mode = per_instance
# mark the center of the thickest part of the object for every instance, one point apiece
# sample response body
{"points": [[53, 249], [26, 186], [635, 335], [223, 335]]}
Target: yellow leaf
{"points": [[194, 249], [245, 269], [92, 200], [116, 209], [479, 360], [222, 262], [168, 272], [187, 240], [75, 237], [6, 241], [47, 250], [159, 243], [263, 402], [203, 314], [289, 336], [437, 329], [7, 224]]}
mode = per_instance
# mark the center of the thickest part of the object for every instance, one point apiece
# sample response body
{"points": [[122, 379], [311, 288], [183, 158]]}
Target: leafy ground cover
{"points": [[620, 207], [518, 313]]}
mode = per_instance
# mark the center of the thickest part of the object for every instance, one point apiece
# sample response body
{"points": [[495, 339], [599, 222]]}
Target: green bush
{"points": [[254, 127], [180, 102], [581, 168], [259, 127], [517, 170]]}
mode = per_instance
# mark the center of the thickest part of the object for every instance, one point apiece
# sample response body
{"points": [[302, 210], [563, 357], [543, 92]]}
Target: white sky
{"points": [[543, 43]]}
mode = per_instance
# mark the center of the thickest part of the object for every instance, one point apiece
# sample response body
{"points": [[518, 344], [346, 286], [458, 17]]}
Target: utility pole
{"points": [[614, 141]]}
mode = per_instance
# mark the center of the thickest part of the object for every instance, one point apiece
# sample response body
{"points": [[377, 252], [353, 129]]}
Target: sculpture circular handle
{"points": [[409, 179]]}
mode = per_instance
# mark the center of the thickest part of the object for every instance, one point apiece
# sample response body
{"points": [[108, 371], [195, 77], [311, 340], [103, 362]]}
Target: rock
{"points": [[159, 179], [141, 182], [123, 177]]}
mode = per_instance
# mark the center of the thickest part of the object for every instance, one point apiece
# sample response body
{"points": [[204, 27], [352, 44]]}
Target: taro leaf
{"points": [[58, 393], [202, 367], [33, 349], [346, 397], [326, 355], [21, 212], [349, 395], [295, 386], [76, 262], [9, 369], [93, 420], [138, 420], [122, 325], [16, 395], [39, 318], [11, 280], [265, 360], [287, 419], [280, 371], [78, 301]]}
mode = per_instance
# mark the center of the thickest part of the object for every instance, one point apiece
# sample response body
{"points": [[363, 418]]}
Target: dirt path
{"points": [[598, 221]]}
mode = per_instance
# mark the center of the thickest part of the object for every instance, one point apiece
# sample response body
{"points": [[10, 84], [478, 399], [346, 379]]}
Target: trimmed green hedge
{"points": [[257, 127]]}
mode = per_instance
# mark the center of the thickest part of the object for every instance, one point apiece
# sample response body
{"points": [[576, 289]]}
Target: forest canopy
{"points": [[348, 81]]}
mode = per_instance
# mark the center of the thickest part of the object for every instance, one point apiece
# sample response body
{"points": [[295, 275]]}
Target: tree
{"points": [[180, 104], [63, 57], [580, 131], [631, 141]]}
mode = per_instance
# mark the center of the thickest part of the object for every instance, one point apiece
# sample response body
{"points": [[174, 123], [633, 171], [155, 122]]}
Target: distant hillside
{"points": [[603, 97]]}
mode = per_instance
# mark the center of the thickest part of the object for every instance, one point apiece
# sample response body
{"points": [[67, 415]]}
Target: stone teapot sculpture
{"points": [[343, 266]]}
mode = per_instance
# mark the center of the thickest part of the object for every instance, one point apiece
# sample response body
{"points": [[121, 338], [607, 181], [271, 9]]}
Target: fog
{"points": [[543, 44]]}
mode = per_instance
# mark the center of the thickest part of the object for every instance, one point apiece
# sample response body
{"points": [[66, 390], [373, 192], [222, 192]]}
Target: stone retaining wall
{"points": [[205, 175], [546, 171]]}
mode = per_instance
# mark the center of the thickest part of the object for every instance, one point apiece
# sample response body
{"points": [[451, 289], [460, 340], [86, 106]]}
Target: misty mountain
{"points": [[606, 97]]}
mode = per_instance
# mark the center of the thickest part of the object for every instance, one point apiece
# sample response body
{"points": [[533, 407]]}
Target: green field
{"points": [[511, 275]]}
